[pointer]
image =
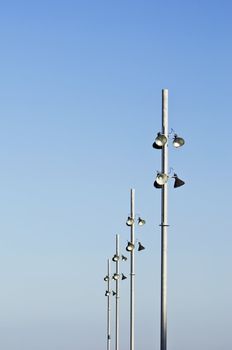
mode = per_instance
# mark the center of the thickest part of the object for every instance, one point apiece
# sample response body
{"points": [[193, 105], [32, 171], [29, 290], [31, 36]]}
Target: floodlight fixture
{"points": [[156, 185], [141, 221], [178, 141], [160, 141], [161, 179], [154, 145], [106, 278], [115, 258], [129, 221], [116, 276], [130, 247], [124, 258], [107, 293], [178, 182], [141, 247], [123, 277]]}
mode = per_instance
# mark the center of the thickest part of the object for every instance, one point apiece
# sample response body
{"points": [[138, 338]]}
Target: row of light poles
{"points": [[131, 222], [161, 182]]}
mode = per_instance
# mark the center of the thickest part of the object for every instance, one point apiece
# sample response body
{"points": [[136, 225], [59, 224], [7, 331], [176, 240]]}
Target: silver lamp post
{"points": [[131, 248], [117, 276], [164, 225], [107, 279], [132, 271], [161, 182], [117, 296]]}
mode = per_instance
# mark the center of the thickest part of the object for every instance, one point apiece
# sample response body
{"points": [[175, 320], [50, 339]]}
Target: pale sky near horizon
{"points": [[80, 106]]}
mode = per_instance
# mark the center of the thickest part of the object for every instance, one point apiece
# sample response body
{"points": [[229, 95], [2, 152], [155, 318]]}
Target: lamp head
{"points": [[116, 276], [161, 179], [141, 222], [178, 141], [124, 258], [156, 185], [178, 182], [123, 277], [107, 293], [154, 145], [129, 221], [141, 247], [160, 141], [130, 247], [115, 258], [106, 278]]}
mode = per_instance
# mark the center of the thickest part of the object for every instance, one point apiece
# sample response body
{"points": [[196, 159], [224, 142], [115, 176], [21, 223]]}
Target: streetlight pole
{"points": [[117, 276], [117, 296], [161, 182], [132, 271], [164, 225], [131, 248], [108, 305]]}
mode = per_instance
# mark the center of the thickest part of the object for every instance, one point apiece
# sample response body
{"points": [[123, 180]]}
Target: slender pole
{"points": [[117, 297], [132, 274], [164, 226], [108, 305]]}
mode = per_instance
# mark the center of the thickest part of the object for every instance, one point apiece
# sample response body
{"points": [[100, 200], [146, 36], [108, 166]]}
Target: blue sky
{"points": [[80, 106]]}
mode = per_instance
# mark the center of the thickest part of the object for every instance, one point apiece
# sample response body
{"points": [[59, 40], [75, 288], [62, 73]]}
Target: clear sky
{"points": [[80, 91]]}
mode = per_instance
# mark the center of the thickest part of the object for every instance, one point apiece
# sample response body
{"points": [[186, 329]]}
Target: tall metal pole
{"points": [[132, 274], [117, 297], [164, 225], [108, 305]]}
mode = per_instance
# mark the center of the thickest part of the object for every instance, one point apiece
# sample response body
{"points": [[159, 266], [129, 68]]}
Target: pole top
{"points": [[165, 93]]}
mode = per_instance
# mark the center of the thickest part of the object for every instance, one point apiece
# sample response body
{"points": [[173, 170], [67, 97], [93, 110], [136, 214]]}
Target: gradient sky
{"points": [[80, 106]]}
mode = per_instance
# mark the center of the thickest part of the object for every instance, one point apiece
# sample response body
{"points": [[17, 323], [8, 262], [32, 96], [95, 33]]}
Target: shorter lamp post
{"points": [[116, 277], [130, 248], [107, 294]]}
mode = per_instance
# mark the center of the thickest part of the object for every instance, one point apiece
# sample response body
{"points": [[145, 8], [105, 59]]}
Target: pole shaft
{"points": [[117, 298], [164, 225], [108, 306], [132, 274]]}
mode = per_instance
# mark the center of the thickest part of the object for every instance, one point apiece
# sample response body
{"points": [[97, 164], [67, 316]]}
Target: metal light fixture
{"points": [[156, 185], [178, 182], [154, 145], [141, 222], [160, 141], [123, 277], [124, 258], [116, 276], [178, 141], [129, 221], [115, 258], [113, 293], [161, 179], [141, 247], [108, 305], [130, 247]]}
